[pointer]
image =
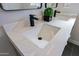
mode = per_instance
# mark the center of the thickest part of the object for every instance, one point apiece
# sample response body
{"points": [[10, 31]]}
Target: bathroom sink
{"points": [[42, 34]]}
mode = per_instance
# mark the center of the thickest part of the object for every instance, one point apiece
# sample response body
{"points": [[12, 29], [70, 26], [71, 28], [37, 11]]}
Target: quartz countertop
{"points": [[27, 48]]}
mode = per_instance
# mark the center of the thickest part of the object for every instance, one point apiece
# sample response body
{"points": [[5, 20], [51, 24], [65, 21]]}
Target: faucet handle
{"points": [[56, 11], [32, 16]]}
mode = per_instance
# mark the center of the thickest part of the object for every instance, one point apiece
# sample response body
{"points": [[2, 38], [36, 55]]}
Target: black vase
{"points": [[47, 18]]}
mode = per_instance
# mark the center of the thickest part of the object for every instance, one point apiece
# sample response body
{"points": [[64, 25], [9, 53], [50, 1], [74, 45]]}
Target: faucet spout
{"points": [[32, 18]]}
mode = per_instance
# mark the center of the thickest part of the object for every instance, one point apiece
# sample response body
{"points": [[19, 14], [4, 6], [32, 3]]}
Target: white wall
{"points": [[69, 7]]}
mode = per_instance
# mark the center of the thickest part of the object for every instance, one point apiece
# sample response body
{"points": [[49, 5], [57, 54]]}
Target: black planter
{"points": [[47, 18]]}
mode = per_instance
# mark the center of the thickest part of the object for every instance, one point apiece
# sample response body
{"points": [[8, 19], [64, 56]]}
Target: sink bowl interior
{"points": [[47, 32], [44, 32]]}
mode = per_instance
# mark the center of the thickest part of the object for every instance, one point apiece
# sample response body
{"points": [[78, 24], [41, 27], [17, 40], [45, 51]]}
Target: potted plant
{"points": [[48, 13]]}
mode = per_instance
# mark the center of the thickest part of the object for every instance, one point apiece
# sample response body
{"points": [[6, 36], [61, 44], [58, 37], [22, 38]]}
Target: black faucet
{"points": [[55, 12], [32, 18]]}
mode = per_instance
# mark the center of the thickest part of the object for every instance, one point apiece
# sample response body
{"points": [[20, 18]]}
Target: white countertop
{"points": [[27, 48]]}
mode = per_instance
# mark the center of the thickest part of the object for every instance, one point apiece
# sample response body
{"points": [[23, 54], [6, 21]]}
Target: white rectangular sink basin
{"points": [[47, 32], [42, 34]]}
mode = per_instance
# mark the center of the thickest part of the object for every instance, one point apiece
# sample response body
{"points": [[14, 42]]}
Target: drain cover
{"points": [[39, 38]]}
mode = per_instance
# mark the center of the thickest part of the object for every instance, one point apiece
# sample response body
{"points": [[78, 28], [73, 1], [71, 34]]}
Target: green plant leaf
{"points": [[48, 12]]}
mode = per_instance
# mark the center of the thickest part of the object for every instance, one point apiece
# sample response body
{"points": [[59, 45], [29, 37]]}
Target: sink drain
{"points": [[39, 38]]}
